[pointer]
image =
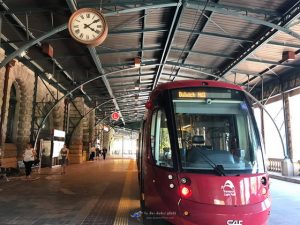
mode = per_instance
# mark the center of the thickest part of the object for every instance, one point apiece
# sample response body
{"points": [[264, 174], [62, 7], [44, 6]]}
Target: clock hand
{"points": [[92, 29], [88, 25]]}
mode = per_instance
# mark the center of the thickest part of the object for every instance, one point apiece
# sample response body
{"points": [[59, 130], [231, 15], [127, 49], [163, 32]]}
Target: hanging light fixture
{"points": [[137, 62]]}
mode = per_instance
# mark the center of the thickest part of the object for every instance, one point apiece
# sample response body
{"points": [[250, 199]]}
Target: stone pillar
{"points": [[25, 113], [5, 101], [287, 165], [92, 127], [23, 80], [86, 137], [100, 134], [76, 145], [58, 117]]}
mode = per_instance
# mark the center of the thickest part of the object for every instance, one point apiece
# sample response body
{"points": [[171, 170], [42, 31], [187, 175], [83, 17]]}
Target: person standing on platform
{"points": [[64, 152], [28, 159], [97, 153], [104, 152], [92, 153]]}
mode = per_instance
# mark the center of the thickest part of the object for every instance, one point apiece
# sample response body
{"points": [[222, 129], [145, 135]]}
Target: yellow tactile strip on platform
{"points": [[127, 203]]}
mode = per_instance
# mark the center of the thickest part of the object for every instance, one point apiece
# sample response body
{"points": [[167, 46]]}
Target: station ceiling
{"points": [[250, 43]]}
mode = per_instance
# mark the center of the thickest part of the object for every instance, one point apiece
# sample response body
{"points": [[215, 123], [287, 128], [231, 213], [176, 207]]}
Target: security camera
{"points": [[208, 101]]}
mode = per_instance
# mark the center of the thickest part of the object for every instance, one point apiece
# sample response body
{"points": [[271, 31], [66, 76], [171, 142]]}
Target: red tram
{"points": [[201, 159]]}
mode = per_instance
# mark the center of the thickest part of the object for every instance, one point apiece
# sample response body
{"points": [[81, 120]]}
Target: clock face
{"points": [[88, 26]]}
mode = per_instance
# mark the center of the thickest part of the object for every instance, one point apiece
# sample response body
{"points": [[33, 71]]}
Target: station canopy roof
{"points": [[250, 43]]}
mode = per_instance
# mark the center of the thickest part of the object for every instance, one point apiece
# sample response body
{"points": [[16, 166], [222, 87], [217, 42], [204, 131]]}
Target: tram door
{"points": [[161, 185]]}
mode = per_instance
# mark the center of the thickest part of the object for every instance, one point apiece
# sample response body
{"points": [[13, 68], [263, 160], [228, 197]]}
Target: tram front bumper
{"points": [[192, 213]]}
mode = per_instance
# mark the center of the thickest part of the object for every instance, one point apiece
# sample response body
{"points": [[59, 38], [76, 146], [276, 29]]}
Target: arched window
{"points": [[11, 115]]}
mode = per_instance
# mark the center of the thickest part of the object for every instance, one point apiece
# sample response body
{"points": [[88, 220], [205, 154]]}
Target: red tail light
{"points": [[185, 191]]}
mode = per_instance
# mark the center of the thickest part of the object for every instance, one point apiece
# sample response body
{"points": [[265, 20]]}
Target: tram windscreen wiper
{"points": [[219, 169]]}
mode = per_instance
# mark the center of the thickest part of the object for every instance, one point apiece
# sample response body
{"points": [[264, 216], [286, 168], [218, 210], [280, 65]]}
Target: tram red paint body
{"points": [[224, 172]]}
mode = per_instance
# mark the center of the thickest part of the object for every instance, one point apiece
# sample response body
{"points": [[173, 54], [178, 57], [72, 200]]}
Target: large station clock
{"points": [[88, 26]]}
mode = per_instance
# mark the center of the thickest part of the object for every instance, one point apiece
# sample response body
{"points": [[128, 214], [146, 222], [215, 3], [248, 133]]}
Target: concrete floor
{"points": [[93, 193], [103, 192], [285, 203]]}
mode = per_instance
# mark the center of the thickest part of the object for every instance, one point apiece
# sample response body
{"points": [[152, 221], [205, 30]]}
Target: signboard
{"points": [[59, 133], [58, 142], [57, 146], [115, 116]]}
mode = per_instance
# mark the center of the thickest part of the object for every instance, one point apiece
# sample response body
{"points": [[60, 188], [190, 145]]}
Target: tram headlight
{"points": [[264, 191], [208, 101], [185, 191], [264, 182]]}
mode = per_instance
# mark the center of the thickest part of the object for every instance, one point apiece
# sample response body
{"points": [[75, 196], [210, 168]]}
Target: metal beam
{"points": [[23, 11], [126, 50], [69, 93], [193, 66], [105, 81], [237, 14], [202, 53], [129, 84], [273, 63], [288, 17], [215, 35], [194, 38], [131, 75], [174, 25], [285, 44], [31, 43], [104, 52], [147, 5], [194, 69], [130, 31], [246, 72], [142, 44], [136, 9], [64, 26], [30, 34], [130, 63], [217, 7]]}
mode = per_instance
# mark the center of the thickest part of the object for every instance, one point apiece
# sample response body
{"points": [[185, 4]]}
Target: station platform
{"points": [[93, 193], [279, 176], [104, 192]]}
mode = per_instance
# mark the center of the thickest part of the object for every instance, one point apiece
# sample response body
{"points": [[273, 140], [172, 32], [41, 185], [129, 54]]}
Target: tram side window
{"points": [[160, 140]]}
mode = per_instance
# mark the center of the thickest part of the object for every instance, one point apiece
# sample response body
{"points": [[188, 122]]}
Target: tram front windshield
{"points": [[216, 132]]}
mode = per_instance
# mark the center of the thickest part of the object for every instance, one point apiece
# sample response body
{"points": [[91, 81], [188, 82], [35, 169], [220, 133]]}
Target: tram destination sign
{"points": [[203, 94], [191, 94]]}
